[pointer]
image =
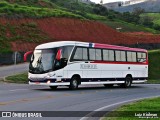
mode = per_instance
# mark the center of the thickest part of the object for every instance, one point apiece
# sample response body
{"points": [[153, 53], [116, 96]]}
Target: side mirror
{"points": [[59, 54], [26, 55]]}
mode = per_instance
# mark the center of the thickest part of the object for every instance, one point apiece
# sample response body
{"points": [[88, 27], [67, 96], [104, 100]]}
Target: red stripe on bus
{"points": [[110, 62], [118, 47]]}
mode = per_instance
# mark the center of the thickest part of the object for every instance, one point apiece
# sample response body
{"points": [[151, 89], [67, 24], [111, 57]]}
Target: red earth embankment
{"points": [[59, 29]]}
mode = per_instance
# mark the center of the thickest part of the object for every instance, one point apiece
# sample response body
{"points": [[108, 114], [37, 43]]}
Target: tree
{"points": [[137, 11], [146, 21]]}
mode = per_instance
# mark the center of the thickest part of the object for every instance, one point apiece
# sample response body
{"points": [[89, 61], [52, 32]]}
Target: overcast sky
{"points": [[106, 1]]}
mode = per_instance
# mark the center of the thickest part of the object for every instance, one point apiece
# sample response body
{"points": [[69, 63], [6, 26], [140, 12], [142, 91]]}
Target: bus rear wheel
{"points": [[53, 87], [74, 83], [127, 83]]}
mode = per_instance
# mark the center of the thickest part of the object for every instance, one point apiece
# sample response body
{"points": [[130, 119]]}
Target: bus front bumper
{"points": [[49, 83]]}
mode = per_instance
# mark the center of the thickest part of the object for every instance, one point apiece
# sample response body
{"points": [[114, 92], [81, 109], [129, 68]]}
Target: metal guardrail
{"points": [[12, 58]]}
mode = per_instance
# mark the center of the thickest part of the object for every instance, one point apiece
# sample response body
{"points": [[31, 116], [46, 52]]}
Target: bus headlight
{"points": [[48, 82]]}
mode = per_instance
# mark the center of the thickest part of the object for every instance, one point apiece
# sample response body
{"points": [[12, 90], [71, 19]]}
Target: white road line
{"points": [[108, 106]]}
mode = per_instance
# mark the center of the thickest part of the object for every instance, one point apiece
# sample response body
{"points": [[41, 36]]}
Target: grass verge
{"points": [[19, 78], [154, 65], [23, 78], [153, 81], [134, 110]]}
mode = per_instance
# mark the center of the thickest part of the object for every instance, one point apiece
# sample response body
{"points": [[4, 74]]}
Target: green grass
{"points": [[127, 112], [19, 78], [154, 16], [155, 81], [10, 33], [154, 65], [129, 27], [34, 12]]}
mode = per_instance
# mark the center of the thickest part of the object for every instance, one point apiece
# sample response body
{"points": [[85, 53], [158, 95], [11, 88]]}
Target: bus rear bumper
{"points": [[139, 81]]}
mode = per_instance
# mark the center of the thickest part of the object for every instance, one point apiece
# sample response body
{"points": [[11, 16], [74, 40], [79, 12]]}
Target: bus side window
{"points": [[81, 54], [120, 55], [78, 54], [108, 55], [141, 57], [131, 56], [95, 54], [85, 54], [92, 55], [98, 54]]}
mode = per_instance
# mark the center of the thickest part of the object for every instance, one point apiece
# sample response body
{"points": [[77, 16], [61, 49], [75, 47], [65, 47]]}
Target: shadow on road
{"points": [[89, 88]]}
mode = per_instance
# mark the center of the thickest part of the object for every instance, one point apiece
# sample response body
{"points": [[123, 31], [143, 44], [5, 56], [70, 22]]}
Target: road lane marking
{"points": [[112, 105]]}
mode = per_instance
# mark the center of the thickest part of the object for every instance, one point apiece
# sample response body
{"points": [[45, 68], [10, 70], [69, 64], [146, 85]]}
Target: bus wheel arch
{"points": [[128, 81], [75, 81]]}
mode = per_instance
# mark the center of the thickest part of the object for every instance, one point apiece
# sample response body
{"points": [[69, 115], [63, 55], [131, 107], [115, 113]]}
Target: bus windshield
{"points": [[44, 60]]}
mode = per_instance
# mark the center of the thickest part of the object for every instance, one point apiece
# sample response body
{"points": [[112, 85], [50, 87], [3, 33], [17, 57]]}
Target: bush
{"points": [[111, 17], [146, 21], [156, 27]]}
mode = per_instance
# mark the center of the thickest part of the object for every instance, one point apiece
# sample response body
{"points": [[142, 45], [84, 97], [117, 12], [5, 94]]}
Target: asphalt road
{"points": [[16, 97], [13, 69]]}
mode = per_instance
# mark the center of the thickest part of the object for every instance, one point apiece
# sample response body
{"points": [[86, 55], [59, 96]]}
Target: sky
{"points": [[106, 1]]}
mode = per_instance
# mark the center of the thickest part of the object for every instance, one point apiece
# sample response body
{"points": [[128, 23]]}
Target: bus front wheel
{"points": [[74, 83], [127, 83]]}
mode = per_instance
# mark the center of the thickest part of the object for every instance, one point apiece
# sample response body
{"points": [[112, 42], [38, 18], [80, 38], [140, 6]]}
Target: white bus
{"points": [[72, 63]]}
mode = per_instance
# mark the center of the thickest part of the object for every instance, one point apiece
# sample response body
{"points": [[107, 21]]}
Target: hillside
{"points": [[68, 9], [27, 23], [58, 29], [47, 8]]}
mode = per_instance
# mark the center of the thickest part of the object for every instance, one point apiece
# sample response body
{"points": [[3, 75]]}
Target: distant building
{"points": [[131, 2], [113, 4], [85, 1], [121, 3]]}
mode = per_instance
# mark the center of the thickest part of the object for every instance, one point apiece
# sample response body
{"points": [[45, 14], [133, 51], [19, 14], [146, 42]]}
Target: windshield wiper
{"points": [[39, 64]]}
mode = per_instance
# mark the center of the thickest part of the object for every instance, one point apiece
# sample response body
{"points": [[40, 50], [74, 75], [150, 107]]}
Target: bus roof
{"points": [[86, 44]]}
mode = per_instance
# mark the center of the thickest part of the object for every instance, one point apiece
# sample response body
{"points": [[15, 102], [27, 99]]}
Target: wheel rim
{"points": [[128, 82], [74, 83]]}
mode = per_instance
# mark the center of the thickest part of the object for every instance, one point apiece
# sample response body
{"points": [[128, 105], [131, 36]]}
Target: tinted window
{"points": [[98, 54], [81, 54], [78, 54], [120, 55], [108, 55], [85, 54], [131, 57], [92, 55], [95, 54], [141, 57], [66, 51]]}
